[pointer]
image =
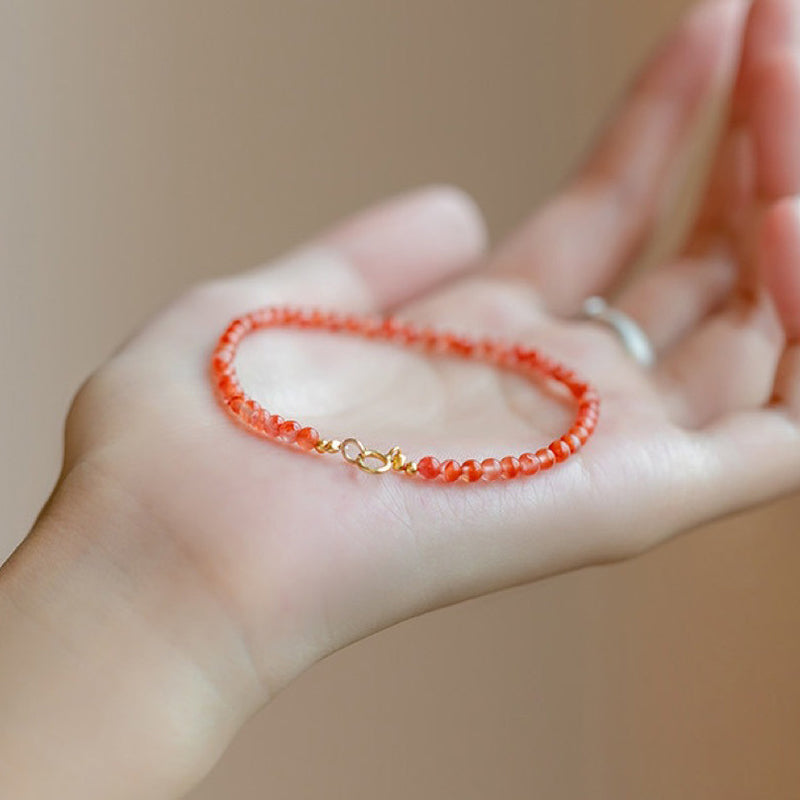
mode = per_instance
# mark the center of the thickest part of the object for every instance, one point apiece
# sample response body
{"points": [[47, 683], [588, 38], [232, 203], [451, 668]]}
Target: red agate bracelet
{"points": [[511, 356]]}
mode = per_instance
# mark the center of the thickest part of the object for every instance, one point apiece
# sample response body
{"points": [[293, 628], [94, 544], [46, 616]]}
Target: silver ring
{"points": [[633, 338]]}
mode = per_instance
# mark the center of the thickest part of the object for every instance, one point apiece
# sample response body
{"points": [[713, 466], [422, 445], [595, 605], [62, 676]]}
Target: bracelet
{"points": [[517, 357]]}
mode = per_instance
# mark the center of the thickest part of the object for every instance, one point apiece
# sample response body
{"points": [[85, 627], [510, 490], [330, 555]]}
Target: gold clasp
{"points": [[374, 461]]}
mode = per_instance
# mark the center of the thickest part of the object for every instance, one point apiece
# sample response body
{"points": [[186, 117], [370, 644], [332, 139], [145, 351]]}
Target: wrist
{"points": [[118, 668]]}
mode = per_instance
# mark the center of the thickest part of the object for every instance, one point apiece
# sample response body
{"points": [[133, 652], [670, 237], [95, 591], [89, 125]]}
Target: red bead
{"points": [[591, 396], [529, 464], [258, 419], [228, 385], [563, 374], [351, 323], [235, 403], [586, 416], [572, 441], [371, 327], [451, 470], [288, 430], [509, 466], [292, 316], [429, 468], [333, 321], [248, 409], [547, 458], [458, 345], [581, 433], [272, 424], [221, 362], [491, 469], [560, 450], [472, 470], [429, 338], [250, 412], [578, 388], [307, 438]]}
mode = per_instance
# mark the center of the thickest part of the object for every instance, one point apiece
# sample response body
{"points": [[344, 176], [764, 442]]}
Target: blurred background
{"points": [[147, 145]]}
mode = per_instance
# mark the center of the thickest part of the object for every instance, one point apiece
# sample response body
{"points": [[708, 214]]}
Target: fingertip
{"points": [[458, 215], [772, 26], [704, 45], [412, 242], [712, 17]]}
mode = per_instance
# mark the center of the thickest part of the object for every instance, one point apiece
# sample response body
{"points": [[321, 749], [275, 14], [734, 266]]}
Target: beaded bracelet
{"points": [[511, 356]]}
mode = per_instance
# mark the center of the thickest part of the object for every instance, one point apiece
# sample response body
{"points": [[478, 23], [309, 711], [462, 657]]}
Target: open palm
{"points": [[306, 553]]}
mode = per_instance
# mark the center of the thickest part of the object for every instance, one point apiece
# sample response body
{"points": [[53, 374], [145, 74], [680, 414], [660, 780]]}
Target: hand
{"points": [[305, 554]]}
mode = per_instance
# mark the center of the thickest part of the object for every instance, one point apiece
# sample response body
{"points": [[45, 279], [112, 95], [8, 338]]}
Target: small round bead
{"points": [[389, 327], [577, 388], [491, 469], [288, 430], [529, 464], [429, 338], [560, 450], [228, 385], [272, 424], [451, 470], [429, 468], [572, 441], [458, 345], [581, 433], [258, 419], [235, 402], [590, 396], [307, 438], [546, 458], [351, 323], [248, 409], [509, 466], [221, 363], [472, 470]]}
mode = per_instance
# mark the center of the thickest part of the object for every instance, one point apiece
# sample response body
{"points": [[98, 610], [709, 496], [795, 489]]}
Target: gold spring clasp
{"points": [[372, 461]]}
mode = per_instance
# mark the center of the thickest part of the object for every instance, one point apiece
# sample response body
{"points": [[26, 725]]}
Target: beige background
{"points": [[146, 145]]}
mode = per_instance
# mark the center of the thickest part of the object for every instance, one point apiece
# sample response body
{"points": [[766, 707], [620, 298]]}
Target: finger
{"points": [[750, 457], [377, 259], [481, 305], [776, 124], [668, 302], [773, 28], [577, 245], [729, 363], [779, 267], [756, 452], [390, 253]]}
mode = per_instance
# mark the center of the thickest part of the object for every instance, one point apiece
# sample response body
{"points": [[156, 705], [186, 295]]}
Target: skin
{"points": [[184, 572]]}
